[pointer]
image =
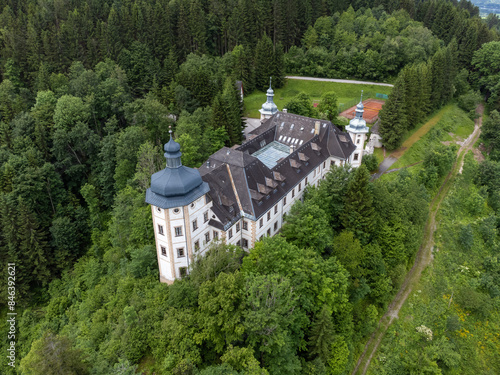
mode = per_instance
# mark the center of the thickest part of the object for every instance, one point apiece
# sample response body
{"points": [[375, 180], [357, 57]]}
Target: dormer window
{"points": [[262, 143]]}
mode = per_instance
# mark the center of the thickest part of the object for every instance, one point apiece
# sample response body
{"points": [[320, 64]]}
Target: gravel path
{"points": [[340, 81], [424, 255]]}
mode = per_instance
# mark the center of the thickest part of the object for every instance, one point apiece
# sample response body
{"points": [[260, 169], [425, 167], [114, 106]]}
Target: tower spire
{"points": [[172, 152]]}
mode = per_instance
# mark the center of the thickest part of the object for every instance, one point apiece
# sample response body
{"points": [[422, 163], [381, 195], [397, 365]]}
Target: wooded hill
{"points": [[88, 91]]}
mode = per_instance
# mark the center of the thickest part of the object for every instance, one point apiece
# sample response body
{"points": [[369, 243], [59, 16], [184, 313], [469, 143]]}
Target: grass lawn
{"points": [[379, 154], [449, 124], [346, 93]]}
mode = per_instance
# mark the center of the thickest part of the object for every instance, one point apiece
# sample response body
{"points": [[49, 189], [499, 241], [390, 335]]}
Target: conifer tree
{"points": [[234, 114], [322, 335], [278, 67], [264, 58], [33, 244], [358, 215], [393, 117], [437, 69], [197, 27], [243, 67]]}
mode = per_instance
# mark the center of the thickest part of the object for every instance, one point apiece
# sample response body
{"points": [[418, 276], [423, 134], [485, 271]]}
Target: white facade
{"points": [[182, 233], [357, 156]]}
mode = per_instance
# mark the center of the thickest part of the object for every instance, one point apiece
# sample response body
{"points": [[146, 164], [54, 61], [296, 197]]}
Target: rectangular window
{"points": [[160, 229], [237, 227], [284, 201], [245, 243], [324, 164], [314, 173], [355, 156], [230, 233], [305, 183], [216, 235], [357, 142], [300, 186], [195, 224], [180, 252], [261, 223], [293, 192], [275, 226], [178, 231], [245, 225], [268, 215], [183, 271], [261, 237], [207, 237], [269, 232], [163, 251], [197, 245], [205, 217], [275, 209]]}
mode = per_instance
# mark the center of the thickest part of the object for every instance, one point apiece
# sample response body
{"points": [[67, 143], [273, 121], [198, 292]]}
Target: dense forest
{"points": [[88, 91]]}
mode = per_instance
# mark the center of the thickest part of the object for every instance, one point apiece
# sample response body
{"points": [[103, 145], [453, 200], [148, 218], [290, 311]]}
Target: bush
{"points": [[370, 162], [469, 101]]}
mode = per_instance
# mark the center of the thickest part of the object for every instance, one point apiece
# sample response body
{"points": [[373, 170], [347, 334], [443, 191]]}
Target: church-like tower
{"points": [[358, 131], [268, 108], [179, 208]]}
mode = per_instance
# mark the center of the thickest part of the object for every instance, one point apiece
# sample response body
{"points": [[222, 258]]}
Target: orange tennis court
{"points": [[372, 108]]}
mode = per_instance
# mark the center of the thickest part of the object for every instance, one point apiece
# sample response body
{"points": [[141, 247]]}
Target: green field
{"points": [[346, 93], [453, 126]]}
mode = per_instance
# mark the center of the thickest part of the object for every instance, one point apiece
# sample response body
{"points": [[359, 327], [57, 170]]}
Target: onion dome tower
{"points": [[358, 131], [176, 185], [177, 205], [268, 108]]}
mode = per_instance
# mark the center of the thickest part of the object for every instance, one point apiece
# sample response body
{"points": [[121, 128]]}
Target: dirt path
{"points": [[423, 257], [415, 137]]}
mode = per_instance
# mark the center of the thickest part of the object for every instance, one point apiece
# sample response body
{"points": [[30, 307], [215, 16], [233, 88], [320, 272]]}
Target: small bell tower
{"points": [[268, 108], [358, 131]]}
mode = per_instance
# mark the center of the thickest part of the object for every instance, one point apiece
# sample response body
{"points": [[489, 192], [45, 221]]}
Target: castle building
{"points": [[242, 194]]}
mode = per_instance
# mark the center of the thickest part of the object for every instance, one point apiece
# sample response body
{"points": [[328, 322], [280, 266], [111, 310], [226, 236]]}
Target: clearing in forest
{"points": [[347, 93]]}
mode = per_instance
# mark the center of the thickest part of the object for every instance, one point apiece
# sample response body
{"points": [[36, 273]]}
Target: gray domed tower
{"points": [[268, 108], [178, 204], [358, 130]]}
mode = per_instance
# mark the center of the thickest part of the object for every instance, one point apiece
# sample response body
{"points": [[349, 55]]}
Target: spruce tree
{"points": [[322, 335], [33, 244], [233, 111], [437, 72], [278, 67], [358, 215], [393, 117], [264, 58]]}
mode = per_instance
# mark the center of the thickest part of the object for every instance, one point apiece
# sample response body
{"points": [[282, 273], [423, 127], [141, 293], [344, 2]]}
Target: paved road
{"points": [[340, 81], [384, 166]]}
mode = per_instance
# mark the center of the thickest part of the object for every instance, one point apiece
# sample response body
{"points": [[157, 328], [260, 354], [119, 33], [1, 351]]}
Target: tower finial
{"points": [[361, 95], [270, 80], [170, 131]]}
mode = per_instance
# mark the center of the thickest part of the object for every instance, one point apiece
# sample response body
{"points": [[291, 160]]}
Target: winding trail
{"points": [[423, 257]]}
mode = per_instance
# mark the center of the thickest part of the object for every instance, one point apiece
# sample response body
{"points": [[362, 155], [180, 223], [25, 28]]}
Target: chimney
{"points": [[292, 149], [208, 163], [316, 127], [285, 110]]}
